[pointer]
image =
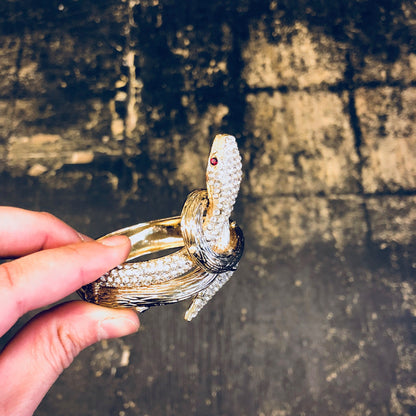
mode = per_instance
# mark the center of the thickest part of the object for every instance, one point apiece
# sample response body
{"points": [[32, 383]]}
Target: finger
{"points": [[23, 232], [47, 345], [42, 278]]}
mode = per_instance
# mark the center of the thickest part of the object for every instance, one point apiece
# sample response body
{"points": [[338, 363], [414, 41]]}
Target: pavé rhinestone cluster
{"points": [[149, 272]]}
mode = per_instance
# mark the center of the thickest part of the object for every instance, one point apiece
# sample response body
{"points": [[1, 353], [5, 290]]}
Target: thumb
{"points": [[48, 344]]}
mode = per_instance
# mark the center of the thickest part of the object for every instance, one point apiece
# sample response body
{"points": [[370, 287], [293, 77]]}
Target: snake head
{"points": [[224, 174]]}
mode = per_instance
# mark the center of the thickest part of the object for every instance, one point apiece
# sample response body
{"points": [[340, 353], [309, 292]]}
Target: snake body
{"points": [[182, 274]]}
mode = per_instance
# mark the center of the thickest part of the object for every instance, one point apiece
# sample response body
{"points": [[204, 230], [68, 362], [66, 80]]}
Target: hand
{"points": [[53, 262]]}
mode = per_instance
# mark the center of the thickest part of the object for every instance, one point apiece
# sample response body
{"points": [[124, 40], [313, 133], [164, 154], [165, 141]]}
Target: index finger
{"points": [[23, 232]]}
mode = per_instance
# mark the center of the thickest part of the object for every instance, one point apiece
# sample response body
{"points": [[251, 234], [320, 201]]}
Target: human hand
{"points": [[53, 261]]}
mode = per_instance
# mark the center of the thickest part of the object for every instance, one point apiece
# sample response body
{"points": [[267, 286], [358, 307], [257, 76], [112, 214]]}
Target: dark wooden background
{"points": [[107, 111]]}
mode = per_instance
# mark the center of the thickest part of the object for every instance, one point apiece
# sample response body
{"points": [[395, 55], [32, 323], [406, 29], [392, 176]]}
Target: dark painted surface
{"points": [[107, 112]]}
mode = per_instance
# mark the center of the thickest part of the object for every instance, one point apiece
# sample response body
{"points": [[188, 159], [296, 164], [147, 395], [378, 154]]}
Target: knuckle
{"points": [[6, 275], [9, 273], [65, 346]]}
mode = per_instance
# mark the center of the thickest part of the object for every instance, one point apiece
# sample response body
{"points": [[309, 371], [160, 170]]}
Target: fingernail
{"points": [[84, 237], [114, 241], [117, 327]]}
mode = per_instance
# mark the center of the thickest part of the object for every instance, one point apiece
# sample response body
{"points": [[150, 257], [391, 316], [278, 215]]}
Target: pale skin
{"points": [[51, 261]]}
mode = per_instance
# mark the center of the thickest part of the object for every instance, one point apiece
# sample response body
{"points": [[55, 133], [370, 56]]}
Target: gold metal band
{"points": [[153, 236]]}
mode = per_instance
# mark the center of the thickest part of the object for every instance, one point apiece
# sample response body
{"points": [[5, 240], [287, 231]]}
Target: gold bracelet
{"points": [[209, 246]]}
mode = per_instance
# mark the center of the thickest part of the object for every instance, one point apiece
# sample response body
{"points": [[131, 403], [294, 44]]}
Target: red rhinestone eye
{"points": [[213, 161]]}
